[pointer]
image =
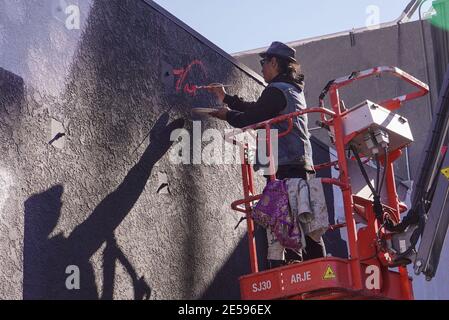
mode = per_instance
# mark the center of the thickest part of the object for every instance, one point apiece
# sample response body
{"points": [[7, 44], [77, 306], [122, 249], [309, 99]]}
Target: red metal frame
{"points": [[346, 278]]}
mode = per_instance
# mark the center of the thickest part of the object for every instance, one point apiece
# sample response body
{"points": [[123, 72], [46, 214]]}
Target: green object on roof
{"points": [[441, 18]]}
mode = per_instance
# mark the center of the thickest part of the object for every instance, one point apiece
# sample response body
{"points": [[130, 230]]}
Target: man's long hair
{"points": [[291, 70]]}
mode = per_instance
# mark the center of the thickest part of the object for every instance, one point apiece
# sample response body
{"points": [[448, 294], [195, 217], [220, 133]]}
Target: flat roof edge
{"points": [[324, 37], [205, 41]]}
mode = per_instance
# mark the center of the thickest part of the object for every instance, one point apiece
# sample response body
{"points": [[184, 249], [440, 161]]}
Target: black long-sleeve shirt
{"points": [[269, 105]]}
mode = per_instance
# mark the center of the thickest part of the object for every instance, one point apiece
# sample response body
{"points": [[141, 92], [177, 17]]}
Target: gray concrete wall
{"points": [[90, 198]]}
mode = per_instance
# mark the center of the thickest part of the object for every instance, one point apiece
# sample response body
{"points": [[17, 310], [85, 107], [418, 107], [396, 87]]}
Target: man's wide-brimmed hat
{"points": [[280, 50]]}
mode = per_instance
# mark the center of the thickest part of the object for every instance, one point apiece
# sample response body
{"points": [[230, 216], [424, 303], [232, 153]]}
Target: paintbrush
{"points": [[213, 86]]}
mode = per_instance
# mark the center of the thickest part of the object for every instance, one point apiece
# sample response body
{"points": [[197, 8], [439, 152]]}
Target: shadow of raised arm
{"points": [[110, 212]]}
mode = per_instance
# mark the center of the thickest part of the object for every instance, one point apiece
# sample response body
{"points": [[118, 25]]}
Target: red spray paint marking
{"points": [[189, 89]]}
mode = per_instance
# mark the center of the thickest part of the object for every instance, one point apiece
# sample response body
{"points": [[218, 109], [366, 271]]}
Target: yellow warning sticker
{"points": [[445, 171], [329, 274]]}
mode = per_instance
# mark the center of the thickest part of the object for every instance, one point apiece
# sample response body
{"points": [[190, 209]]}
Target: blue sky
{"points": [[238, 25]]}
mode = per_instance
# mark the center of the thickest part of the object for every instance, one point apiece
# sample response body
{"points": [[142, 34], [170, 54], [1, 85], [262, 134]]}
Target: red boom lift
{"points": [[366, 274]]}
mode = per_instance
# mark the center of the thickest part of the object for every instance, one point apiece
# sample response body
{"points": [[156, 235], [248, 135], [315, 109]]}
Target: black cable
{"points": [[377, 205], [376, 156], [385, 169], [362, 169], [325, 90], [431, 192], [420, 221]]}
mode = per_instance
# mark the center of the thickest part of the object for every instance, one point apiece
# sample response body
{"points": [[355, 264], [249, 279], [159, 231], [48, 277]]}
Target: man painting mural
{"points": [[283, 95]]}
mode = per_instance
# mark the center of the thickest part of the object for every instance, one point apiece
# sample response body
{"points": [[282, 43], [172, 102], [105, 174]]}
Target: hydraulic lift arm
{"points": [[408, 12], [428, 218]]}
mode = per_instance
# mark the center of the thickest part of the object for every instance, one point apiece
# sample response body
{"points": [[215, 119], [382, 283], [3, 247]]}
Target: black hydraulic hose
{"points": [[385, 169], [439, 133], [377, 207], [324, 92], [376, 156], [431, 192], [416, 219], [362, 169]]}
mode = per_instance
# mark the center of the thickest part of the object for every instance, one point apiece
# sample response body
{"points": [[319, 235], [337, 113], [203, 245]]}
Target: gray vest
{"points": [[294, 148]]}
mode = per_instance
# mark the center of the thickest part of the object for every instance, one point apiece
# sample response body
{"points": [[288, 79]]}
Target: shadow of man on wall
{"points": [[59, 267]]}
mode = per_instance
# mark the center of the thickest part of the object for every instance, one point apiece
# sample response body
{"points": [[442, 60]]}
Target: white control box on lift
{"points": [[368, 117]]}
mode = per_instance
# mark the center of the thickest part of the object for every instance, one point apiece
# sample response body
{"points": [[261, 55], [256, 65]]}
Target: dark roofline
{"points": [[297, 43], [405, 17], [205, 41]]}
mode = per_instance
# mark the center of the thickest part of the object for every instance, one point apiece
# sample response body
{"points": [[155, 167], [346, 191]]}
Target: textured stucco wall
{"points": [[90, 198], [95, 196]]}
